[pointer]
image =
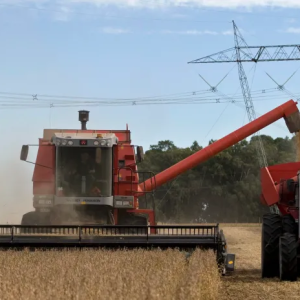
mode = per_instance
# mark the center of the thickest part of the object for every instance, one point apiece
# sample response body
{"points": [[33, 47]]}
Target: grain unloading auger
{"points": [[86, 189]]}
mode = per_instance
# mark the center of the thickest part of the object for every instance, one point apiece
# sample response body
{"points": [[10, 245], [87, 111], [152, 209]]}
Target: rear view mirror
{"points": [[24, 152], [140, 153]]}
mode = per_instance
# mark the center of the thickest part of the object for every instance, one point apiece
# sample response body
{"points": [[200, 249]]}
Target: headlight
{"points": [[103, 143], [126, 203], [64, 143], [119, 203], [70, 143], [96, 143], [108, 144]]}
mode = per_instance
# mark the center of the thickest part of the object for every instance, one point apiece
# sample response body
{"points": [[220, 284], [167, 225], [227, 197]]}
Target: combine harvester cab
{"points": [[87, 187]]}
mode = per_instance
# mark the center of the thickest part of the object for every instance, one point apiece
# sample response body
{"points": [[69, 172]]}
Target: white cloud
{"points": [[169, 3], [291, 20], [190, 32], [179, 16], [228, 32], [113, 30], [63, 14], [197, 32], [293, 30], [193, 3]]}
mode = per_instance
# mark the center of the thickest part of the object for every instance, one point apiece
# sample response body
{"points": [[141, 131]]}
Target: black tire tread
{"points": [[289, 224], [271, 232], [131, 219], [288, 257], [29, 218], [34, 218]]}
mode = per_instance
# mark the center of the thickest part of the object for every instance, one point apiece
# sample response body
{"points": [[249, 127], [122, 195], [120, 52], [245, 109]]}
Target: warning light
{"points": [[83, 142]]}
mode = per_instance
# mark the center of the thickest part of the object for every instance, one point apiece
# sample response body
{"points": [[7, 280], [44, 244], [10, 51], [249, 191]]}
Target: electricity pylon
{"points": [[242, 53]]}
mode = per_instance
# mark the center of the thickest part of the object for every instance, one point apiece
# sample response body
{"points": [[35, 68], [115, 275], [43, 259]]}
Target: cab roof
{"points": [[83, 135], [122, 135]]}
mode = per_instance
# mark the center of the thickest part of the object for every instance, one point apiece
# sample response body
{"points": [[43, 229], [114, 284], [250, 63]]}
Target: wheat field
{"points": [[116, 275], [140, 274]]}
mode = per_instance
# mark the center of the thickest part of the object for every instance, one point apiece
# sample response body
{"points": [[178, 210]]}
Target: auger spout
{"points": [[289, 111]]}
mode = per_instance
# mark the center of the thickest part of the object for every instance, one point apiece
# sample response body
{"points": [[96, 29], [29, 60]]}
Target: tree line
{"points": [[225, 188]]}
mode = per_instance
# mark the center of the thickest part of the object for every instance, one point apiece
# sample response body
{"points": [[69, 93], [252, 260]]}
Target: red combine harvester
{"points": [[87, 186]]}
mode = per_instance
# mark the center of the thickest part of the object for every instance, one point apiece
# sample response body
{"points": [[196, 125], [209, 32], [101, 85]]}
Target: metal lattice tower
{"points": [[242, 53], [239, 41]]}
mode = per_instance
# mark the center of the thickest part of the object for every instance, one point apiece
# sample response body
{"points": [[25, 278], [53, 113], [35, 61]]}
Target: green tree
{"points": [[225, 188]]}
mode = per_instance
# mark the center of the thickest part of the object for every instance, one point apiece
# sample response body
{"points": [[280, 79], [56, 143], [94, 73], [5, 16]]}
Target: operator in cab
{"points": [[90, 169], [86, 165], [70, 179]]}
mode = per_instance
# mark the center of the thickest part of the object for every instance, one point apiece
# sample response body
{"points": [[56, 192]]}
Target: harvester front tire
{"points": [[33, 218], [271, 232], [30, 218], [289, 225], [288, 257], [138, 221], [133, 220]]}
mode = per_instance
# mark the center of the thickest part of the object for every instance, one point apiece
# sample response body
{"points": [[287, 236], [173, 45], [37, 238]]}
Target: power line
{"points": [[26, 100], [101, 98], [214, 99], [69, 99], [217, 101]]}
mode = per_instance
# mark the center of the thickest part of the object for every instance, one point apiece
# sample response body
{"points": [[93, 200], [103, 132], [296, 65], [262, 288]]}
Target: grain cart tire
{"points": [[271, 232], [34, 218], [288, 257], [289, 225]]}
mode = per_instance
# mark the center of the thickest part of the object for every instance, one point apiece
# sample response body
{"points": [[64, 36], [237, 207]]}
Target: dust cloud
{"points": [[15, 186]]}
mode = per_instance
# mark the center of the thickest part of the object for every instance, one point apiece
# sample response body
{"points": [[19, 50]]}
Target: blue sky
{"points": [[132, 49]]}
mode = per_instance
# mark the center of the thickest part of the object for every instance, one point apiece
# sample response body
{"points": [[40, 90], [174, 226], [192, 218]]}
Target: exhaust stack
{"points": [[83, 118]]}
